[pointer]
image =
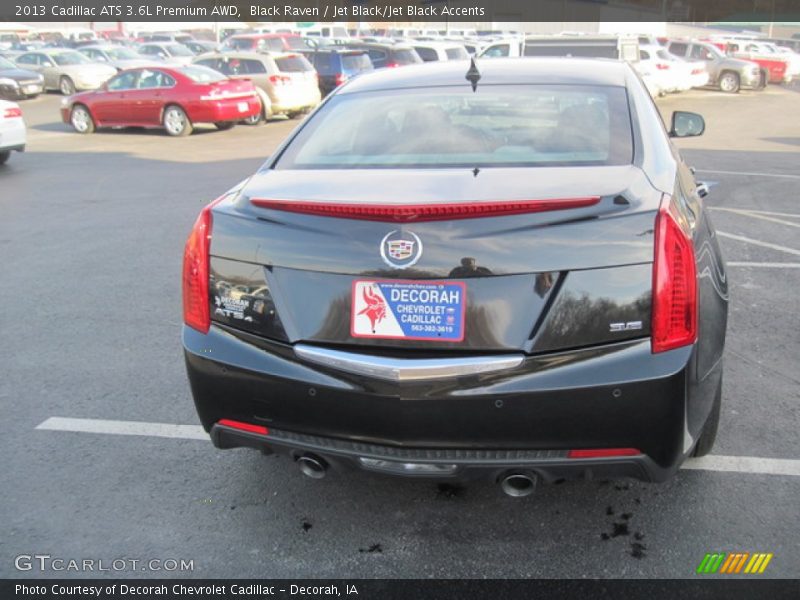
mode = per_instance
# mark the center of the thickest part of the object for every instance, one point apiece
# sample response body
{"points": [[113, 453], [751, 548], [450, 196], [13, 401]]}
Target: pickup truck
{"points": [[724, 72]]}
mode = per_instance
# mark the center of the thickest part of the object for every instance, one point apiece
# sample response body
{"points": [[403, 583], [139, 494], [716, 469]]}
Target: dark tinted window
{"points": [[27, 59], [426, 54], [581, 50], [377, 56], [125, 81], [456, 54], [356, 62], [323, 62], [405, 57], [515, 125], [678, 48], [293, 64]]}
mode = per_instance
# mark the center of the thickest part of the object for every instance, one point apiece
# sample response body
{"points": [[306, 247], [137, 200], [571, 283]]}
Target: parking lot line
{"points": [[727, 464], [765, 265], [163, 430], [756, 212], [748, 240], [745, 464], [748, 174], [754, 215]]}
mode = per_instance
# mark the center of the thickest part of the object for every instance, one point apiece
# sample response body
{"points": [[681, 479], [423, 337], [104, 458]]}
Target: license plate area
{"points": [[408, 310]]}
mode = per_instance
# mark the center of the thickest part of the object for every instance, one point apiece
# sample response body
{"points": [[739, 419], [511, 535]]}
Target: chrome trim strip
{"points": [[406, 369]]}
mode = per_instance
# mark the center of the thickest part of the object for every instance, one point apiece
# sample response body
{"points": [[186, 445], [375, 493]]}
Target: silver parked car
{"points": [[66, 70], [171, 53], [117, 56]]}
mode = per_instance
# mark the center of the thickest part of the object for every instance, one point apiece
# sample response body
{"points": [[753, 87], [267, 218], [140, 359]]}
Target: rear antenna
{"points": [[473, 75]]}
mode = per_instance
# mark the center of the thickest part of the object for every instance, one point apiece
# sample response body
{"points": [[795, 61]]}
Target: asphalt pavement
{"points": [[91, 237]]}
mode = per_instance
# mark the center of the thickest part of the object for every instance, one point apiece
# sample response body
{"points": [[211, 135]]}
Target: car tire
{"points": [[294, 114], [66, 86], [176, 121], [763, 80], [254, 119], [81, 119], [729, 82], [708, 435], [4, 156], [225, 125]]}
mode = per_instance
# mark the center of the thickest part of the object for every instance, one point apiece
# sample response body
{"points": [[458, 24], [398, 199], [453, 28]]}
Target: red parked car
{"points": [[174, 98]]}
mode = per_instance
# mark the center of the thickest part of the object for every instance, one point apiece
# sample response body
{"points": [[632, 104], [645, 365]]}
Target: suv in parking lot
{"points": [[726, 73], [288, 79], [336, 65]]}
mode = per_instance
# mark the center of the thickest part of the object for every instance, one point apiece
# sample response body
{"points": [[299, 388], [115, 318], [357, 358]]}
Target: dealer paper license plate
{"points": [[409, 310]]}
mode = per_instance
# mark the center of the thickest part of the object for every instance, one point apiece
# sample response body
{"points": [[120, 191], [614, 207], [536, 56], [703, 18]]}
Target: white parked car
{"points": [[12, 130], [674, 74]]}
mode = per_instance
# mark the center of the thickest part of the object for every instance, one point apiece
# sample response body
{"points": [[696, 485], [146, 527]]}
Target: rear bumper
{"points": [[526, 417], [232, 109], [440, 464]]}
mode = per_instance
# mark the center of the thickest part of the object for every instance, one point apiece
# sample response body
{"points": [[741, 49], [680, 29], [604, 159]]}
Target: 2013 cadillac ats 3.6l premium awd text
{"points": [[457, 271]]}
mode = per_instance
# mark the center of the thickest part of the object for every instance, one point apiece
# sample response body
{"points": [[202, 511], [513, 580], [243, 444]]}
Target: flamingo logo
{"points": [[375, 309]]}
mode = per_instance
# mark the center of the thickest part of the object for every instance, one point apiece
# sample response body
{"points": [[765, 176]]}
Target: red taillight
{"points": [[662, 66], [280, 79], [12, 113], [674, 320], [425, 212], [249, 427], [392, 65], [603, 452], [340, 78], [195, 273]]}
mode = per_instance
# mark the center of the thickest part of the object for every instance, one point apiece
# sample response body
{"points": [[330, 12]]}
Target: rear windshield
{"points": [[530, 125], [458, 53], [575, 50], [66, 59], [293, 64], [356, 62], [295, 43], [240, 43], [405, 56], [201, 74]]}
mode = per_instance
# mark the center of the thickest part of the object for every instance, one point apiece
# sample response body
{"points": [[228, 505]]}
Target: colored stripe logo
{"points": [[734, 563]]}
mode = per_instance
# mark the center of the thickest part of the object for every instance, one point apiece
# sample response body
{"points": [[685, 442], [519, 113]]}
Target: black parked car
{"points": [[335, 66], [505, 274], [18, 84]]}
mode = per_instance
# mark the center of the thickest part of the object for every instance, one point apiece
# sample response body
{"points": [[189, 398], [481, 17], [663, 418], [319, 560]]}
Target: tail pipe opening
{"points": [[518, 485], [312, 466]]}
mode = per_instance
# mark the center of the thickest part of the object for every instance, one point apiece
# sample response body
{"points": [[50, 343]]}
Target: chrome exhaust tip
{"points": [[518, 485], [312, 466]]}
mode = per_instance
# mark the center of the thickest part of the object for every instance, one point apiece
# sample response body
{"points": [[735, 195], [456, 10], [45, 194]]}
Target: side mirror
{"points": [[702, 189], [686, 124]]}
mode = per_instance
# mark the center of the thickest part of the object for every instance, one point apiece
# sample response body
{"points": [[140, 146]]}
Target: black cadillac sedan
{"points": [[500, 271]]}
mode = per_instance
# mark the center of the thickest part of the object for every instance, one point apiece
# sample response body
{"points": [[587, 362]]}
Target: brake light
{"points": [[674, 320], [195, 273], [249, 427], [340, 78], [280, 79], [425, 212], [12, 113], [392, 65], [603, 452]]}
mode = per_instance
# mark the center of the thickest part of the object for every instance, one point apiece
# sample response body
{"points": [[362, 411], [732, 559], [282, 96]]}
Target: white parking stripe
{"points": [[748, 240], [164, 430], [745, 464], [746, 174], [754, 215], [758, 212], [765, 265], [727, 464]]}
